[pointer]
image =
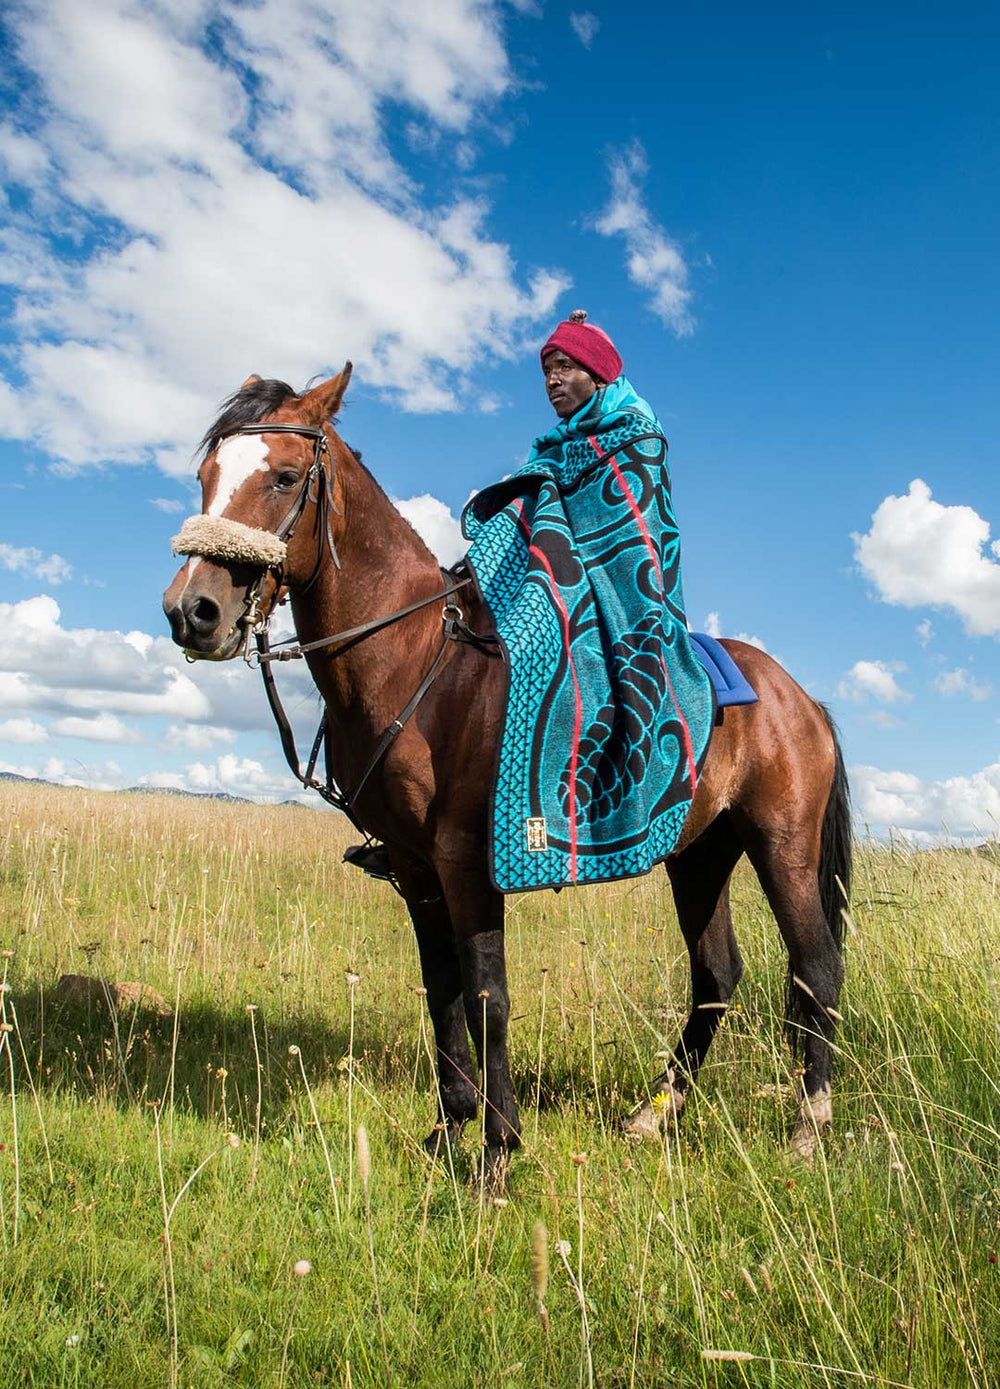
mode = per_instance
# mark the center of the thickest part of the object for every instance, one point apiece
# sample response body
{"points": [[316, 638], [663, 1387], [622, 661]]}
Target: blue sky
{"points": [[787, 220]]}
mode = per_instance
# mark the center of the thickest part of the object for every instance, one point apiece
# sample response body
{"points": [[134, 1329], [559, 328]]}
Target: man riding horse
{"points": [[288, 507]]}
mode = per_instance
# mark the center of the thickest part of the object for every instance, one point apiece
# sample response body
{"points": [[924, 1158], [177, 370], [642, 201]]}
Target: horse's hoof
{"points": [[803, 1143], [440, 1139], [650, 1121], [815, 1119], [494, 1167]]}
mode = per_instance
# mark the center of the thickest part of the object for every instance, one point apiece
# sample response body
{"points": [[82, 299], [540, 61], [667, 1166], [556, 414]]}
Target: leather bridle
{"points": [[318, 487]]}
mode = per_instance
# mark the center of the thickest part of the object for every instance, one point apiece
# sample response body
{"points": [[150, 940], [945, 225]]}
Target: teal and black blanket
{"points": [[609, 712]]}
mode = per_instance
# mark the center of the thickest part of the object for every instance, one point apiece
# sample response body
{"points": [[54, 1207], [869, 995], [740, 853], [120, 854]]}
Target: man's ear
{"points": [[323, 401]]}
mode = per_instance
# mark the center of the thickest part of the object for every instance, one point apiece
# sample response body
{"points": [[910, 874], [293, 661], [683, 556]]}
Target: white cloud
{"points": [[925, 631], [433, 521], [962, 805], [21, 158], [881, 718], [960, 682], [22, 731], [194, 737], [169, 505], [72, 672], [653, 261], [19, 769], [246, 213], [106, 776], [873, 680], [100, 728], [585, 26], [713, 628], [27, 560], [233, 775], [919, 553]]}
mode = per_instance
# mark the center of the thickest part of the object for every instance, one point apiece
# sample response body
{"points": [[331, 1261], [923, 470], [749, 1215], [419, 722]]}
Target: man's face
{"points": [[567, 383]]}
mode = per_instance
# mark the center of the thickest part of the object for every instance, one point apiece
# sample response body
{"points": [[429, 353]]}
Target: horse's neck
{"points": [[384, 566]]}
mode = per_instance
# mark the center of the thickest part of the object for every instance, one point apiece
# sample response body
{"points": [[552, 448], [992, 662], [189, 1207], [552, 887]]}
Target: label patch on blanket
{"points": [[609, 711], [538, 840]]}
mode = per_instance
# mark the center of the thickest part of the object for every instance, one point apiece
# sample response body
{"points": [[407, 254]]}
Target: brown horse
{"points": [[773, 784]]}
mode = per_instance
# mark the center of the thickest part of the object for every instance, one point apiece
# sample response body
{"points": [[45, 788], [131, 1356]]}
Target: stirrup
{"points": [[372, 858]]}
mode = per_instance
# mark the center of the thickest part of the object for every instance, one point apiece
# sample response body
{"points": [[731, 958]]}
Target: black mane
{"points": [[249, 405]]}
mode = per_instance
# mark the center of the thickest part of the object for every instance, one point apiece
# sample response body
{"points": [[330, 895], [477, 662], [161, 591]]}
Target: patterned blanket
{"points": [[609, 712]]}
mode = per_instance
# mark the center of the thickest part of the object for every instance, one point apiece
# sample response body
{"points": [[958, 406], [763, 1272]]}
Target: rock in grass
{"points": [[127, 996]]}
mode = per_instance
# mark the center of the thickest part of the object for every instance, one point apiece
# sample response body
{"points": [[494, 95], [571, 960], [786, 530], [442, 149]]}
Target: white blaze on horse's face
{"points": [[236, 458]]}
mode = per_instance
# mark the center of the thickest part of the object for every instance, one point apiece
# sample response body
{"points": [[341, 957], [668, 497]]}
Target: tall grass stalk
{"points": [[174, 1039], [34, 1093], [586, 1359], [364, 1171], [296, 1052], [6, 1029], [352, 980], [541, 1047], [258, 1108]]}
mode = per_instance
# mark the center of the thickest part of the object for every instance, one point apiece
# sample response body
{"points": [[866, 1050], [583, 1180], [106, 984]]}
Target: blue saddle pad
{"points": [[731, 685]]}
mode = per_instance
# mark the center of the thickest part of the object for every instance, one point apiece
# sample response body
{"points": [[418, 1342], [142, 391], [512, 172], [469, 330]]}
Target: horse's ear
{"points": [[250, 381], [323, 401]]}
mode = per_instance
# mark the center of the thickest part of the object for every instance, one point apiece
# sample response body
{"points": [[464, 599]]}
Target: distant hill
{"points": [[163, 791], [179, 791], [131, 790]]}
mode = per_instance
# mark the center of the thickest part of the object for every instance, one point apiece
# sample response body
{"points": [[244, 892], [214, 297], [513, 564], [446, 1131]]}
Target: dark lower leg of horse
{"points": [[487, 1009], [815, 975], [700, 880], [458, 1097]]}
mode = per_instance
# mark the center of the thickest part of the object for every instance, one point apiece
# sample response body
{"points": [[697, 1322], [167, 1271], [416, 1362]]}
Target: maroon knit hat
{"points": [[586, 344]]}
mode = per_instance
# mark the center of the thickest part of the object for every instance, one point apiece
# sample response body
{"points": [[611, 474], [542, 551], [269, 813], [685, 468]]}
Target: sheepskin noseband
{"points": [[216, 538]]}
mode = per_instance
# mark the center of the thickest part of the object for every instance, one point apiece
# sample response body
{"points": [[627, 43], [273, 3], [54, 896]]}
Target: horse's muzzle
{"points": [[195, 624]]}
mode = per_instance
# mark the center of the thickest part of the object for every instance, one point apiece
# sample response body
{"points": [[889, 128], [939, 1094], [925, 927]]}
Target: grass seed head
{"points": [[302, 1268], [539, 1260]]}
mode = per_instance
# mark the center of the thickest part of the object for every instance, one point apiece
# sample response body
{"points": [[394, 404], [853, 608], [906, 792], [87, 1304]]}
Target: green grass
{"points": [[877, 1262]]}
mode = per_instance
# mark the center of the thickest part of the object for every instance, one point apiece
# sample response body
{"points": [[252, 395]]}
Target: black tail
{"points": [[834, 877], [835, 843]]}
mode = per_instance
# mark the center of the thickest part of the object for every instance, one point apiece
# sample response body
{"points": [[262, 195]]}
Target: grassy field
{"points": [[141, 1244]]}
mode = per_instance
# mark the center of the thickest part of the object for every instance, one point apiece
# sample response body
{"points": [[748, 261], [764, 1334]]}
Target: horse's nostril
{"points": [[204, 614], [178, 626]]}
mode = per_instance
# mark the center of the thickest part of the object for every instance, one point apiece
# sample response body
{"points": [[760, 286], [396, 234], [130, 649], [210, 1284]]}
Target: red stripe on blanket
{"points": [[634, 508]]}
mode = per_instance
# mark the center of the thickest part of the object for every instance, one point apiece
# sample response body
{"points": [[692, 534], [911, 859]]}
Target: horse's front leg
{"points": [[477, 910], [441, 969]]}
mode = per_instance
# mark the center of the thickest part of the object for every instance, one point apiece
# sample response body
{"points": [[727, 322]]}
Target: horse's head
{"points": [[268, 507]]}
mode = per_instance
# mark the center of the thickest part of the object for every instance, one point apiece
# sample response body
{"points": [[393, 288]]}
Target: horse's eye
{"points": [[286, 481]]}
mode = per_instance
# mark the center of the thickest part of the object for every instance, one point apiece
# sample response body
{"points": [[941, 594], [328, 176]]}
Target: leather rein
{"points": [[318, 488]]}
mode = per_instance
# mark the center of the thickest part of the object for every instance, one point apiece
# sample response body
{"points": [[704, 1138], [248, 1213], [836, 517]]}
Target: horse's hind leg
{"points": [[699, 877], [790, 879], [441, 969]]}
